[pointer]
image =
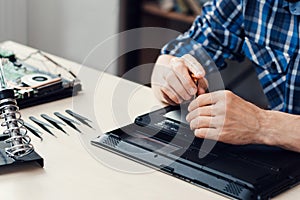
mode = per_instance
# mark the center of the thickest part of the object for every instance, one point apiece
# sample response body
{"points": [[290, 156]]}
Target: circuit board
{"points": [[33, 86]]}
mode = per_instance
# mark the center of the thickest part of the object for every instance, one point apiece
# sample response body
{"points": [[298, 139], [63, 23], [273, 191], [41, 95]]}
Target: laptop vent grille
{"points": [[112, 141], [233, 189]]}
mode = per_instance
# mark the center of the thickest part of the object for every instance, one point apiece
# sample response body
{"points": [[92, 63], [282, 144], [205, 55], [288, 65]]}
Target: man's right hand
{"points": [[171, 80]]}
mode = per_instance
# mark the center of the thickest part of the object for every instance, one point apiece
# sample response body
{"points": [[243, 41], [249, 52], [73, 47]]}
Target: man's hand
{"points": [[225, 117], [222, 115], [171, 80]]}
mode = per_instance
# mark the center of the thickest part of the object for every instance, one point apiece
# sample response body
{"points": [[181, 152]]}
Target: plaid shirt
{"points": [[265, 31]]}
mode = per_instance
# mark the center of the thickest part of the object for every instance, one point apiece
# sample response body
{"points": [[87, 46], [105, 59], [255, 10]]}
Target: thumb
{"points": [[194, 66]]}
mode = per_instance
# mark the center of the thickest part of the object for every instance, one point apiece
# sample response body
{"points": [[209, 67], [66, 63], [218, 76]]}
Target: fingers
{"points": [[198, 72], [162, 79], [207, 133], [203, 117], [167, 100], [201, 111], [174, 82], [204, 127], [203, 100], [183, 75], [202, 86], [172, 96], [202, 122], [173, 79], [193, 65]]}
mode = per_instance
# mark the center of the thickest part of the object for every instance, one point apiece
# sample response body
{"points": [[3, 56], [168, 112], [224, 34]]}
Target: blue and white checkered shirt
{"points": [[265, 31]]}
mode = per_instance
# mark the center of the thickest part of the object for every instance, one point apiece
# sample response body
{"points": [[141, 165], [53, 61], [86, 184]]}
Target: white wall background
{"points": [[13, 20], [67, 28]]}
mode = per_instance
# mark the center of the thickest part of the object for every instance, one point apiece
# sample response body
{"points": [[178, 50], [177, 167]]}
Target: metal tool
{"points": [[80, 118], [54, 122], [68, 121], [42, 124], [33, 130]]}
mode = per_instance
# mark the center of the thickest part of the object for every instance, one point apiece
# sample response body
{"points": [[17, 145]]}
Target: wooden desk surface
{"points": [[71, 171]]}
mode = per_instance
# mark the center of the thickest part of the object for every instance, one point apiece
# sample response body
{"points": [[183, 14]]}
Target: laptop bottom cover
{"points": [[242, 172]]}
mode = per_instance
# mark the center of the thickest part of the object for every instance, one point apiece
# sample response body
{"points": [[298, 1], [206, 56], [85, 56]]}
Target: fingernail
{"points": [[187, 119], [199, 73]]}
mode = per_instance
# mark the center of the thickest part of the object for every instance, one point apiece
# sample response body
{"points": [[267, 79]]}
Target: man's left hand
{"points": [[225, 117]]}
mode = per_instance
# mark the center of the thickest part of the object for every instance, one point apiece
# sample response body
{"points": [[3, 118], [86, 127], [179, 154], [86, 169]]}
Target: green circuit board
{"points": [[33, 86]]}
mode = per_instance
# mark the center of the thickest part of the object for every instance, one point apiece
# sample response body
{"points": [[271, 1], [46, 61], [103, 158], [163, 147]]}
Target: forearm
{"points": [[280, 129]]}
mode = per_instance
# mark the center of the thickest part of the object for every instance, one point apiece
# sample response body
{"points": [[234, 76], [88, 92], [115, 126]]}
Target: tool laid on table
{"points": [[54, 122], [42, 124], [68, 121], [57, 123], [80, 118], [33, 130]]}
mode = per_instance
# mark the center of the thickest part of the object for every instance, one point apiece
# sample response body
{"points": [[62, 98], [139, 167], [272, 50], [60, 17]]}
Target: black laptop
{"points": [[163, 140]]}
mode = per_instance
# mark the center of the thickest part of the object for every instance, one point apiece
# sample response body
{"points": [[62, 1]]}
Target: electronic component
{"points": [[4, 53], [33, 86]]}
